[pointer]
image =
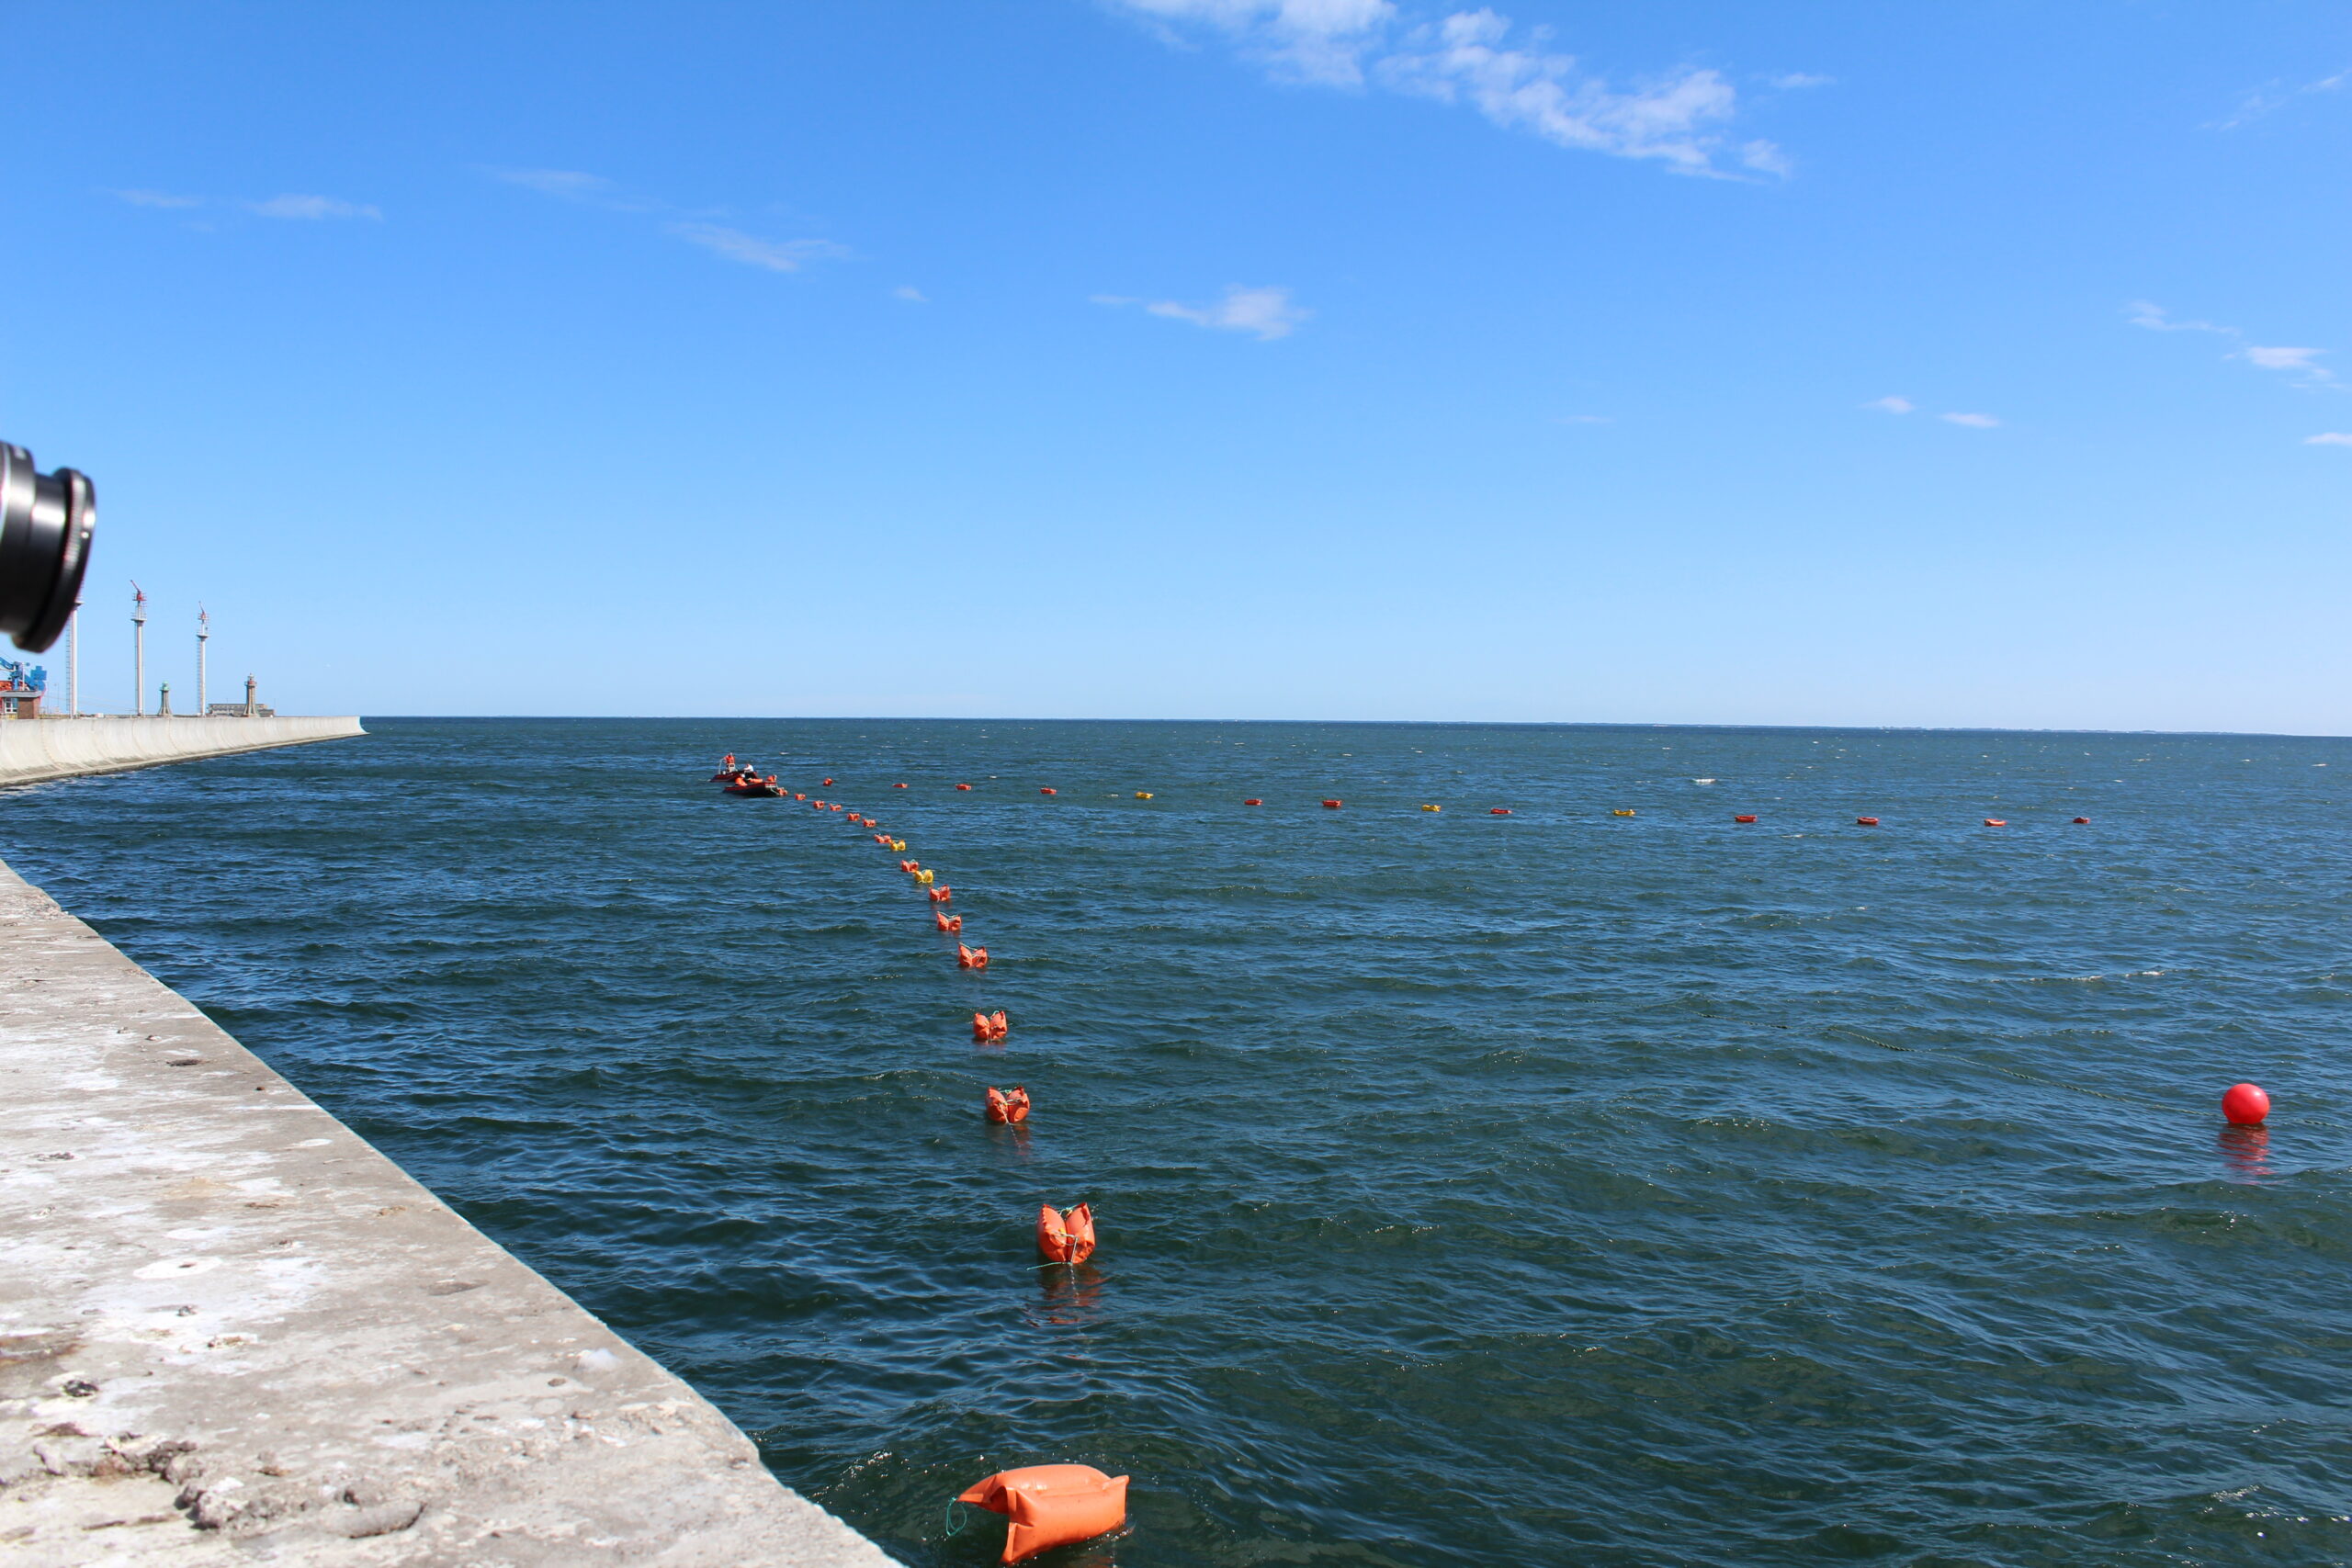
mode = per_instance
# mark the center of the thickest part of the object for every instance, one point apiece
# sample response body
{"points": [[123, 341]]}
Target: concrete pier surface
{"points": [[233, 1332], [37, 749]]}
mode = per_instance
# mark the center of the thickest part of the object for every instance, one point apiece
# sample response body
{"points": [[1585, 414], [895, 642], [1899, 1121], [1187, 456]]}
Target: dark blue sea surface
{"points": [[1555, 1188]]}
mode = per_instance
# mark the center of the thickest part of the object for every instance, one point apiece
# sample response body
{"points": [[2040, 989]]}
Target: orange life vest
{"points": [[1051, 1505], [1066, 1238]]}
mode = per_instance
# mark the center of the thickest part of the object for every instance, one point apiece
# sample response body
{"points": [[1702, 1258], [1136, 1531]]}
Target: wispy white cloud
{"points": [[909, 293], [1472, 57], [569, 184], [776, 255], [312, 209], [1266, 312], [2283, 358], [752, 250], [2157, 319], [1793, 80], [1973, 421], [1323, 41], [2275, 95], [1891, 404], [2297, 362], [2329, 438], [158, 198]]}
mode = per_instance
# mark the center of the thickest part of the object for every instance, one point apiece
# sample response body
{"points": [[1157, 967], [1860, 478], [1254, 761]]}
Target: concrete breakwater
{"points": [[231, 1330], [34, 749]]}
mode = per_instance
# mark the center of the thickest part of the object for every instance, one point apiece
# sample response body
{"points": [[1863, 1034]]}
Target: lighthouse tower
{"points": [[138, 655], [203, 633]]}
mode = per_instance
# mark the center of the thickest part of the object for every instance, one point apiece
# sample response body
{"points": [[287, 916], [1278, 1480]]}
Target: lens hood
{"points": [[46, 521]]}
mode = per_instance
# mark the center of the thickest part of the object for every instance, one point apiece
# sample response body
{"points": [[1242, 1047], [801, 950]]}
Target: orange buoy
{"points": [[939, 895], [987, 1029], [1049, 792], [1051, 1505], [834, 808], [1865, 821], [1253, 802], [948, 922], [2081, 822], [1066, 1238], [963, 786], [898, 786], [1996, 822], [971, 957], [1008, 1107], [1498, 811], [1331, 806], [799, 797], [1749, 818], [828, 784]]}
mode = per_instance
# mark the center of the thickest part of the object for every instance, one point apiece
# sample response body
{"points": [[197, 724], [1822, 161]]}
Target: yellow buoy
{"points": [[925, 876], [1432, 808], [1621, 814], [1143, 795], [899, 845]]}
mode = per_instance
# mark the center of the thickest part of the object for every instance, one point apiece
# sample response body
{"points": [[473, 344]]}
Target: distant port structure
{"points": [[38, 741]]}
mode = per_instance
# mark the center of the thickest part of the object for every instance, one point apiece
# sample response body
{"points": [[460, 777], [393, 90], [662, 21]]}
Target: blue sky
{"points": [[1844, 363]]}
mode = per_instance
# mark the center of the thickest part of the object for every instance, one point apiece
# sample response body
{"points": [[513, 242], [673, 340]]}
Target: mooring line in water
{"points": [[2054, 1083], [2009, 1072]]}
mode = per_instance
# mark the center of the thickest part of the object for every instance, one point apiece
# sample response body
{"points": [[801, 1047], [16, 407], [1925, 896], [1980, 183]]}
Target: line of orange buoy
{"points": [[1000, 1106], [1050, 1506], [1743, 818]]}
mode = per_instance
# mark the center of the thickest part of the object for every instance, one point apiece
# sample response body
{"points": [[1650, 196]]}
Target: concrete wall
{"points": [[230, 1331], [33, 750]]}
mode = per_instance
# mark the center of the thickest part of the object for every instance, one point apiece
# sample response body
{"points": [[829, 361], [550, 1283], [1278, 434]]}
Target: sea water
{"points": [[1556, 1188]]}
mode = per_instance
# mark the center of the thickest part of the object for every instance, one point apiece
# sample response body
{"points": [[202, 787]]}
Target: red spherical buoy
{"points": [[1743, 819], [2245, 1105], [1498, 811], [1253, 802], [1330, 805], [1049, 792], [1865, 821], [2081, 822]]}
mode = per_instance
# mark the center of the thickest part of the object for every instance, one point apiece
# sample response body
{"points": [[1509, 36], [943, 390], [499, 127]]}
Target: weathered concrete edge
{"points": [[38, 750], [229, 1328]]}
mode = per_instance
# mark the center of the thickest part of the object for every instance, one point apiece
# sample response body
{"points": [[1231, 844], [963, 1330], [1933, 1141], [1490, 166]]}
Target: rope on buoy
{"points": [[2047, 1083], [2009, 1072]]}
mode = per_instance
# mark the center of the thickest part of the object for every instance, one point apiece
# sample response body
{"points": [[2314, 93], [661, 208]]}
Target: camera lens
{"points": [[45, 523]]}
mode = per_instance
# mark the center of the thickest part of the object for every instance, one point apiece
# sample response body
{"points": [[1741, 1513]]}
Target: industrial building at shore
{"points": [[231, 1331]]}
